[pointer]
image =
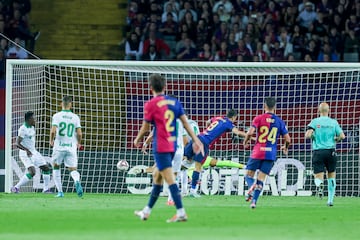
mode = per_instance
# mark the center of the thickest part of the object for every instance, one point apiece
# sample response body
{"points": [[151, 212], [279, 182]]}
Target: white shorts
{"points": [[176, 162], [69, 158], [36, 160]]}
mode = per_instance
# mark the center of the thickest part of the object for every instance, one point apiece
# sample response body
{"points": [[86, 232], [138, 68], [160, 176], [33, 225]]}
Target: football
{"points": [[122, 165]]}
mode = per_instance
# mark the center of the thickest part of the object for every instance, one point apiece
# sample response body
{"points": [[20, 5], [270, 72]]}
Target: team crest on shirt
{"points": [[318, 126]]}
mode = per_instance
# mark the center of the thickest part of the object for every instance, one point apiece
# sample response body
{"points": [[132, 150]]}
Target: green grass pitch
{"points": [[111, 216]]}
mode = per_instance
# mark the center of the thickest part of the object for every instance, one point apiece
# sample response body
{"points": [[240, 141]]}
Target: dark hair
{"points": [[231, 113], [67, 99], [270, 102], [28, 115], [157, 82]]}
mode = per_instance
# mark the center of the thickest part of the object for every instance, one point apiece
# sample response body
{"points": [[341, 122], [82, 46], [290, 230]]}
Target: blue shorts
{"points": [[189, 153], [263, 165], [163, 160]]}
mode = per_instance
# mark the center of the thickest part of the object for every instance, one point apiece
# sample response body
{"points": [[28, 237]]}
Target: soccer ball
{"points": [[122, 165]]}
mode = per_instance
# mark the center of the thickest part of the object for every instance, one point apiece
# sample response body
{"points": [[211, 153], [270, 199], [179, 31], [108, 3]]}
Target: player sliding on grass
{"points": [[217, 127], [162, 111], [268, 127], [65, 137], [29, 155]]}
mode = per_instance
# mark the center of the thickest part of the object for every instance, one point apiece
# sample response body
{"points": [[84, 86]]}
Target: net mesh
{"points": [[109, 100]]}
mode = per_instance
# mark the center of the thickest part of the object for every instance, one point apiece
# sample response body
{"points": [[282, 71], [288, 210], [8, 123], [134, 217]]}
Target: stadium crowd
{"points": [[14, 25], [243, 30]]}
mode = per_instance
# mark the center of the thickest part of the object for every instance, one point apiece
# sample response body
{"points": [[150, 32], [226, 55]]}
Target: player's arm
{"points": [[78, 137], [287, 139], [238, 132], [309, 133], [20, 146], [52, 135], [340, 137], [147, 142], [248, 136], [339, 133], [145, 128], [193, 136]]}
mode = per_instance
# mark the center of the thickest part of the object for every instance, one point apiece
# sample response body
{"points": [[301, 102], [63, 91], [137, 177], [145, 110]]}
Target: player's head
{"points": [[157, 83], [323, 108], [66, 102], [270, 104], [232, 115], [29, 118]]}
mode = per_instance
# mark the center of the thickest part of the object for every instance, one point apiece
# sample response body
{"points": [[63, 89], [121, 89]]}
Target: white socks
{"points": [[75, 176], [46, 178], [24, 179], [57, 179]]}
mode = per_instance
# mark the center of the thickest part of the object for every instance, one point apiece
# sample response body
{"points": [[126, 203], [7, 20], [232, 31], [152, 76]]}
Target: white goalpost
{"points": [[109, 97]]}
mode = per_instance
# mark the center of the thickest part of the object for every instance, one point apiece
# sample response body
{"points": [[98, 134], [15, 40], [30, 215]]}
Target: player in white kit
{"points": [[28, 154], [65, 137]]}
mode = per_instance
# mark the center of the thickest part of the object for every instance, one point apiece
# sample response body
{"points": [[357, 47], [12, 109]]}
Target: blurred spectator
{"points": [[352, 43], [277, 53], [205, 53], [152, 54], [187, 8], [133, 47], [243, 51], [188, 52], [161, 46], [260, 53], [225, 4], [16, 51], [307, 16], [223, 54], [169, 27], [169, 10], [326, 55]]}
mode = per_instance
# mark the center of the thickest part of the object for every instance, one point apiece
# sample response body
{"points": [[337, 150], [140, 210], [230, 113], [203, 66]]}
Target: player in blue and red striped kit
{"points": [[162, 111], [217, 126], [268, 128]]}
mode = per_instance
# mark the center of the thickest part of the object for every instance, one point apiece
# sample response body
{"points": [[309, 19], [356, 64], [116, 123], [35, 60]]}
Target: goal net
{"points": [[109, 97]]}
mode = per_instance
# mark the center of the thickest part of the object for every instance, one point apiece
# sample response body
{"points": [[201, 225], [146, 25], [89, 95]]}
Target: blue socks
{"points": [[258, 189], [331, 189], [154, 195], [249, 180], [194, 180], [175, 194]]}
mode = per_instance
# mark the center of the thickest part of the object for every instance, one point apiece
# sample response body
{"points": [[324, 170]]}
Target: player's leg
{"points": [[264, 171], [29, 165], [39, 161], [168, 176], [213, 162], [331, 167], [251, 167], [199, 160], [71, 163], [162, 161], [195, 179], [46, 171], [57, 159], [176, 166], [318, 167]]}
